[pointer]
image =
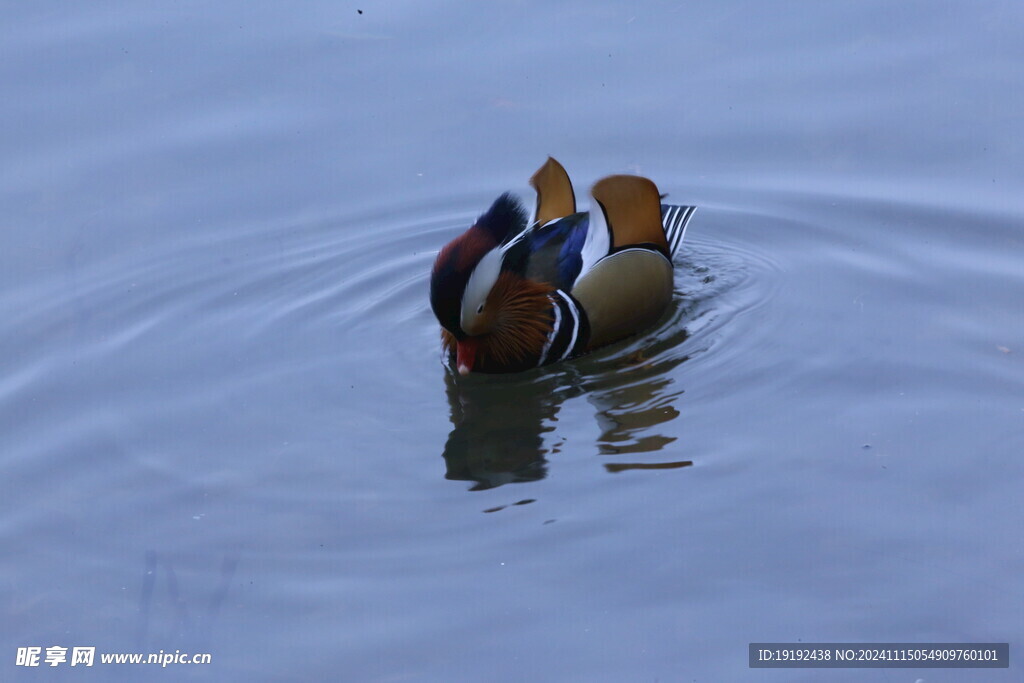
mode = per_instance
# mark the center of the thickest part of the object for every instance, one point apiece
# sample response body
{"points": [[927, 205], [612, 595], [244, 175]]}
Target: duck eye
{"points": [[480, 308]]}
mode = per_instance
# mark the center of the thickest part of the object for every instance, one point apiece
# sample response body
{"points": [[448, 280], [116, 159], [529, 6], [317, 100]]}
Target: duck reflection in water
{"points": [[505, 426]]}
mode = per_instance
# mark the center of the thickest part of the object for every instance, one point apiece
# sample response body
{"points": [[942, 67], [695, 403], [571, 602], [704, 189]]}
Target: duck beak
{"points": [[465, 355]]}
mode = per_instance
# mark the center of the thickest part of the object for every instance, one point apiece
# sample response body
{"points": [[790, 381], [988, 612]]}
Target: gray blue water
{"points": [[225, 426]]}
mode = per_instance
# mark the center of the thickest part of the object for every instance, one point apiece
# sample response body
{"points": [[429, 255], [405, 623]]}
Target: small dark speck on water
{"points": [[525, 501], [866, 446], [360, 11]]}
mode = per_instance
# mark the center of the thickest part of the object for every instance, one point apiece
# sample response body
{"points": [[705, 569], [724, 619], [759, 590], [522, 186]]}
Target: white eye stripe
{"points": [[481, 280]]}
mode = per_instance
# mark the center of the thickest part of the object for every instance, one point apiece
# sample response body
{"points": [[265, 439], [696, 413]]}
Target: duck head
{"points": [[492, 317]]}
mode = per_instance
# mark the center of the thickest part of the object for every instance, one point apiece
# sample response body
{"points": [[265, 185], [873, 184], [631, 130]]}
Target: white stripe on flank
{"points": [[552, 334], [598, 241], [575, 324]]}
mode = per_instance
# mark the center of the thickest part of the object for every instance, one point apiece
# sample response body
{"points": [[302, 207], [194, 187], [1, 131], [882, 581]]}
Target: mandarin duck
{"points": [[513, 294]]}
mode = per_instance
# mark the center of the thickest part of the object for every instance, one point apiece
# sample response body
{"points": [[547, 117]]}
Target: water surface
{"points": [[224, 422]]}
